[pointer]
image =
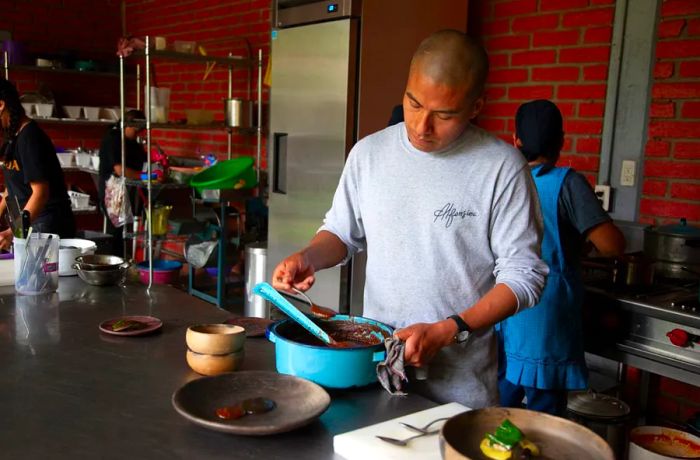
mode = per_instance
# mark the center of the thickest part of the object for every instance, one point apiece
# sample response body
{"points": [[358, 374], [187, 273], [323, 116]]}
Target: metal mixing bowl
{"points": [[104, 277], [99, 262]]}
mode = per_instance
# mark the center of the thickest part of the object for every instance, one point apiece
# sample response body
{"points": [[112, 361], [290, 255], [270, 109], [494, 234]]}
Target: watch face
{"points": [[462, 336]]}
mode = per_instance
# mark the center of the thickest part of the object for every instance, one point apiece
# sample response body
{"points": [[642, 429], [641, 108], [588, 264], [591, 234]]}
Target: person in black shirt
{"points": [[111, 163], [33, 175]]}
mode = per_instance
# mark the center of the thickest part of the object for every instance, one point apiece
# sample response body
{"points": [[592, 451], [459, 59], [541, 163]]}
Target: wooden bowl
{"points": [[215, 339], [214, 364]]}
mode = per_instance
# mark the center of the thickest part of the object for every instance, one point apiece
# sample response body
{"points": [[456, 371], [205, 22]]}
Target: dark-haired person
{"points": [[33, 175], [542, 348], [111, 164], [448, 216]]}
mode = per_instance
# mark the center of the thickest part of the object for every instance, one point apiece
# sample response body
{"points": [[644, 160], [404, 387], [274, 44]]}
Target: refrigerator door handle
{"points": [[279, 160]]}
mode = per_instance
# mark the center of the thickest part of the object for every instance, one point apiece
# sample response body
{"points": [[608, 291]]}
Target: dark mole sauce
{"points": [[349, 333]]}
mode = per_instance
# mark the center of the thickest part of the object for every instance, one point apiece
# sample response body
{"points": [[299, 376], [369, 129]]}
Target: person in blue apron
{"points": [[541, 354]]}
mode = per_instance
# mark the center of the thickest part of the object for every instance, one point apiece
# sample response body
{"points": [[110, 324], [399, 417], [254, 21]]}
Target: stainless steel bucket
{"points": [[238, 113], [255, 262]]}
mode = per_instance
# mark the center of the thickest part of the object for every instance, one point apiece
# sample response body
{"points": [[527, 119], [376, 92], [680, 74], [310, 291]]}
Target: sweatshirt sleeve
{"points": [[344, 219], [516, 236]]}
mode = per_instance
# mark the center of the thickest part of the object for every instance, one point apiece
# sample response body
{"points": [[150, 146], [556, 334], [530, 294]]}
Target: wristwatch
{"points": [[463, 329]]}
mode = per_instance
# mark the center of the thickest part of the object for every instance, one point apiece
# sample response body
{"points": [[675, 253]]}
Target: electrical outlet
{"points": [[627, 173], [603, 194]]}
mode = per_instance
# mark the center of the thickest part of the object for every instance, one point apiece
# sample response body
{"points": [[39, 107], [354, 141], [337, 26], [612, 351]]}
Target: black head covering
{"points": [[539, 126]]}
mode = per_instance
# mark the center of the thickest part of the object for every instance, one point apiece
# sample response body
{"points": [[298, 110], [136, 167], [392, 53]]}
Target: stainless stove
{"points": [[655, 328]]}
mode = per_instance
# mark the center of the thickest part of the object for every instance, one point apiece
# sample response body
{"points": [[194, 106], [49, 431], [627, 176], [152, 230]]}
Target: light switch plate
{"points": [[602, 192], [627, 174]]}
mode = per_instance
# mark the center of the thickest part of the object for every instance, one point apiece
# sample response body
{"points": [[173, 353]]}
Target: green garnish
{"points": [[506, 435]]}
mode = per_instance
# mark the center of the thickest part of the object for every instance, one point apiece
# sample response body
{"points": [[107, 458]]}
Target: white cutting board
{"points": [[362, 444]]}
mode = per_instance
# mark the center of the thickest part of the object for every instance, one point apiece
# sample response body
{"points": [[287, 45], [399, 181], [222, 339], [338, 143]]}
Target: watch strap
{"points": [[462, 325]]}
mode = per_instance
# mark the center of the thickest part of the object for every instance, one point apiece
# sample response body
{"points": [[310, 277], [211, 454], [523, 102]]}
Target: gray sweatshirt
{"points": [[440, 230]]}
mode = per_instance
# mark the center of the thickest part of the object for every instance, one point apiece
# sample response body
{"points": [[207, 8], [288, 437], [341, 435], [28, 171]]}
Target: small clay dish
{"points": [[215, 339], [214, 364]]}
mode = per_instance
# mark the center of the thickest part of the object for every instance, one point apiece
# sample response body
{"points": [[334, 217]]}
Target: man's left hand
{"points": [[424, 340]]}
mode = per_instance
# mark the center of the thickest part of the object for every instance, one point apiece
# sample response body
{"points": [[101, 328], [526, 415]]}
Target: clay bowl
{"points": [[215, 339], [214, 364]]}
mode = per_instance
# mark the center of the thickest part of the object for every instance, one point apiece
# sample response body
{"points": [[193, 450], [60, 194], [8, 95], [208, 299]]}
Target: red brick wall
{"points": [[553, 49], [672, 163], [219, 26], [66, 30]]}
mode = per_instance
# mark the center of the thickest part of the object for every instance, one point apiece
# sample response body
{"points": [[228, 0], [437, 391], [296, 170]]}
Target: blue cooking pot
{"points": [[330, 367]]}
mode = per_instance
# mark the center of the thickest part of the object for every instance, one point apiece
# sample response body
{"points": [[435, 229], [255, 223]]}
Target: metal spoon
{"points": [[423, 429], [317, 310], [405, 441]]}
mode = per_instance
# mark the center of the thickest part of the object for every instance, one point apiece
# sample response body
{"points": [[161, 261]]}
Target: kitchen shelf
{"points": [[73, 121], [189, 127], [148, 55], [236, 61], [91, 73]]}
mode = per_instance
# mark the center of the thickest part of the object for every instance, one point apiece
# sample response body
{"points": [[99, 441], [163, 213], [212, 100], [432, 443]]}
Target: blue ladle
{"points": [[269, 293]]}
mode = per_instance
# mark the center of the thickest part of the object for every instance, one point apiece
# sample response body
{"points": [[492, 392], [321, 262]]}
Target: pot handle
{"points": [[379, 356]]}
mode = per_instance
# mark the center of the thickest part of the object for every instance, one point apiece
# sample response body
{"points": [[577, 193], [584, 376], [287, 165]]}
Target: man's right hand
{"points": [[295, 271]]}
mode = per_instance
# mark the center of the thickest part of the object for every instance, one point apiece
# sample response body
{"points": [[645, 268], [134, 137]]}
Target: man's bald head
{"points": [[453, 59]]}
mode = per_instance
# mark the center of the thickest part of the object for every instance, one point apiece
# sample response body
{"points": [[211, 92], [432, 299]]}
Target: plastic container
{"points": [[237, 173], [66, 159], [182, 46], [79, 200], [36, 263], [199, 116], [69, 249], [73, 111], [92, 113], [43, 110], [164, 271], [82, 159]]}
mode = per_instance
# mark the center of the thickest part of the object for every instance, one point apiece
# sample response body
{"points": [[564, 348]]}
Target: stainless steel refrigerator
{"points": [[338, 67]]}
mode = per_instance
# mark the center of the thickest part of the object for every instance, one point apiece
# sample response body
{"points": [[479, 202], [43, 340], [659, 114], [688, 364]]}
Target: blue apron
{"points": [[544, 344]]}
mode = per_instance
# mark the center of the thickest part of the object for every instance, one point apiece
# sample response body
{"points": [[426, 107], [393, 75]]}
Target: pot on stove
{"points": [[674, 247]]}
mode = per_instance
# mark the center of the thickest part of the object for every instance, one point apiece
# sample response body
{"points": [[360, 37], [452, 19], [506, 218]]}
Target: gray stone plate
{"points": [[298, 401]]}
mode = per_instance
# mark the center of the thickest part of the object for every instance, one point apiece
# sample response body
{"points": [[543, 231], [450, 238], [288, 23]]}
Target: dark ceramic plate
{"points": [[298, 401], [152, 325], [254, 327]]}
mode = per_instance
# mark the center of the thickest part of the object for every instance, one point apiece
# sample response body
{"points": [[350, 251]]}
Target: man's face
{"points": [[436, 114]]}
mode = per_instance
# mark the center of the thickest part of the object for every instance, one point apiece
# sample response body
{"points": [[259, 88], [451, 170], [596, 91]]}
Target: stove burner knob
{"points": [[681, 338]]}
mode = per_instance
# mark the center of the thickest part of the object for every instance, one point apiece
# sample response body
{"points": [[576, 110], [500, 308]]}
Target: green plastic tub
{"points": [[237, 173]]}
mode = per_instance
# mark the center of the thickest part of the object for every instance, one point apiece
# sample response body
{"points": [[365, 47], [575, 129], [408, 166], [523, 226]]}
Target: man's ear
{"points": [[517, 143], [476, 107]]}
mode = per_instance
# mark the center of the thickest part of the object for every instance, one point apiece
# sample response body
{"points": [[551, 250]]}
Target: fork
{"points": [[423, 429], [405, 441]]}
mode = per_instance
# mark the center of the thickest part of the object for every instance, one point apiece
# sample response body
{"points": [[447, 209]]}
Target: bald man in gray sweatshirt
{"points": [[449, 218]]}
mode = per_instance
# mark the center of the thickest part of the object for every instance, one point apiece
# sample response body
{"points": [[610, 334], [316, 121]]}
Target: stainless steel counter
{"points": [[69, 391]]}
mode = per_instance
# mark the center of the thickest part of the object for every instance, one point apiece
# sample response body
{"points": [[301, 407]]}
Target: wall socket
{"points": [[602, 192], [627, 173]]}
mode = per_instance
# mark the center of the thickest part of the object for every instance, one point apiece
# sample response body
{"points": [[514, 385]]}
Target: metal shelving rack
{"points": [[229, 61]]}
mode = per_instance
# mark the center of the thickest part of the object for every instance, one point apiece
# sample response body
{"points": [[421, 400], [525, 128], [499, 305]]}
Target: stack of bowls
{"points": [[213, 349], [100, 270]]}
